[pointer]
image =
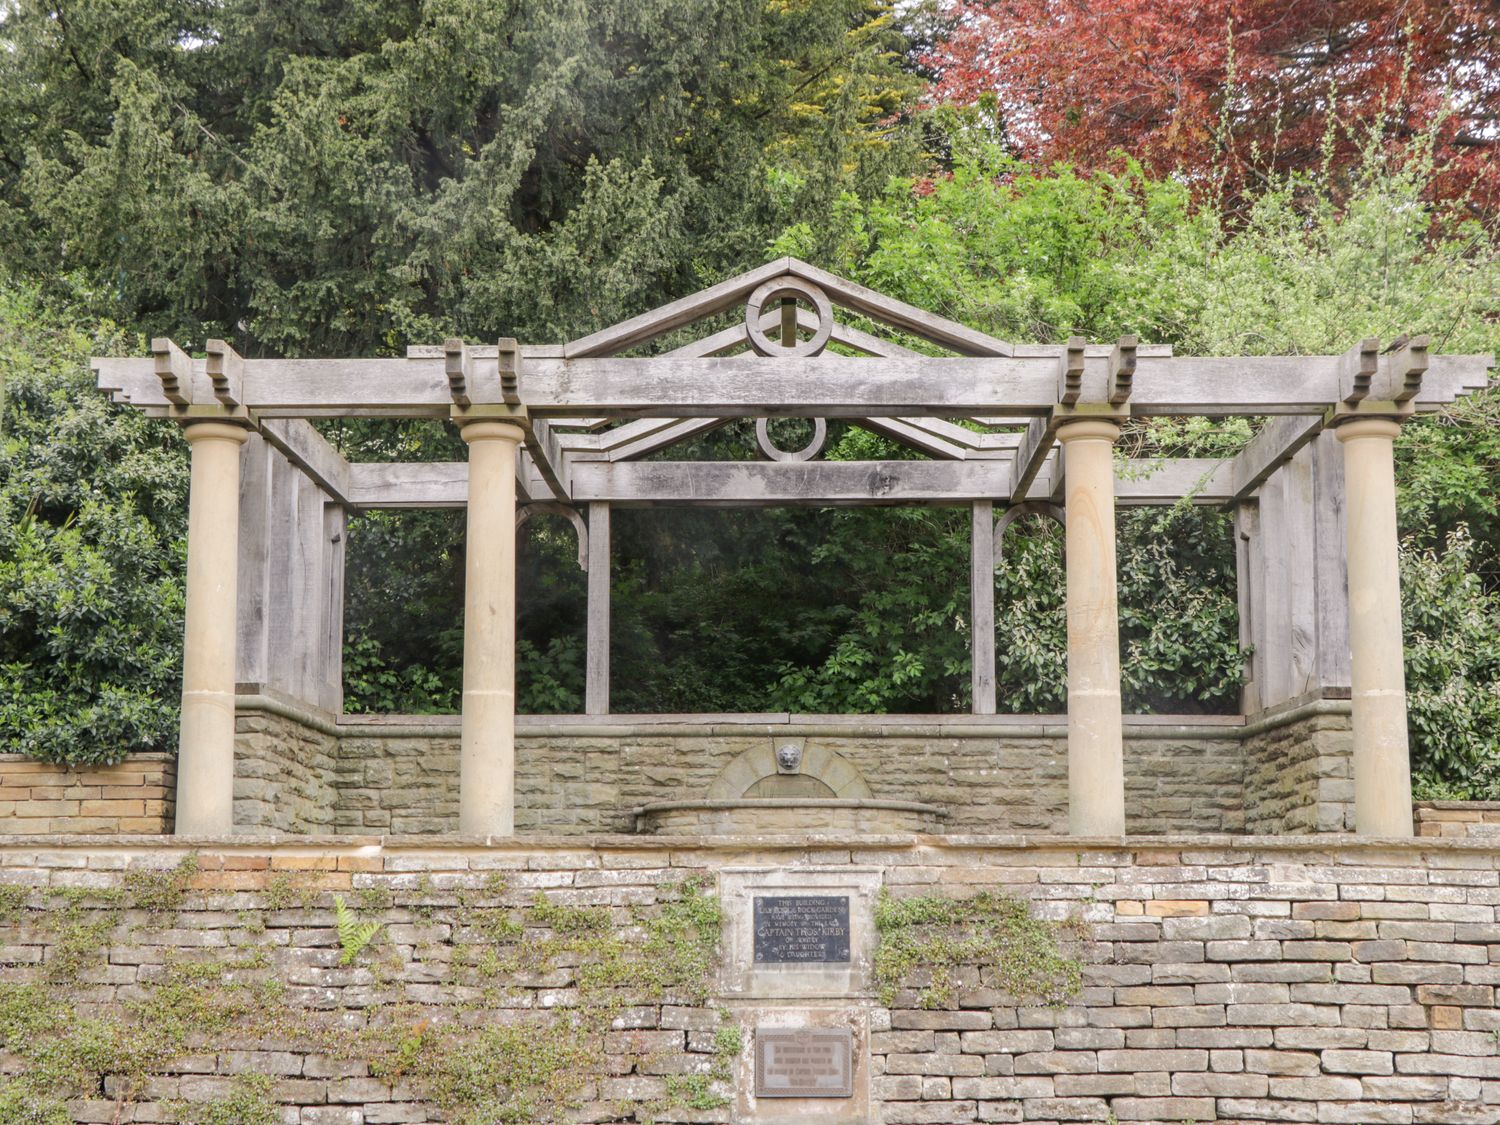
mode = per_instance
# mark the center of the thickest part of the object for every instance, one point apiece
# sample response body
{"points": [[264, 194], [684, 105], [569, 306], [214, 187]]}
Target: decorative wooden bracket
{"points": [[226, 368], [1405, 363], [174, 367], [551, 508], [1357, 369], [1027, 508], [509, 356], [1121, 370], [456, 366], [1070, 372], [1376, 382]]}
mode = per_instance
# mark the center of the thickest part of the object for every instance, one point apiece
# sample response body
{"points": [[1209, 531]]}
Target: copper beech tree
{"points": [[1225, 91]]}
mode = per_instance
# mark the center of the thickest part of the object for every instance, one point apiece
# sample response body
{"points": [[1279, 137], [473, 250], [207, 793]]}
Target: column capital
{"points": [[485, 429], [1087, 427], [1368, 425], [222, 429]]}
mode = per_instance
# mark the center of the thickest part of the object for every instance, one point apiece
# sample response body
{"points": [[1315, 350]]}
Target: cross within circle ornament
{"points": [[784, 287]]}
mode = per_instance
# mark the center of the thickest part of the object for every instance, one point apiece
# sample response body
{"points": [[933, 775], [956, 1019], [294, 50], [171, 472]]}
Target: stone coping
{"points": [[1459, 806], [81, 767], [731, 803], [253, 697], [1372, 850], [845, 726]]}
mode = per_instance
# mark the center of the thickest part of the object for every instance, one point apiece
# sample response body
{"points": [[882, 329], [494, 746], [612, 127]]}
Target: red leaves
{"points": [[1233, 88]]}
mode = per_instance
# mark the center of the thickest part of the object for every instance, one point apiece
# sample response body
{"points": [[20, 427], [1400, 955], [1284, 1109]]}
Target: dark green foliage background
{"points": [[317, 179]]}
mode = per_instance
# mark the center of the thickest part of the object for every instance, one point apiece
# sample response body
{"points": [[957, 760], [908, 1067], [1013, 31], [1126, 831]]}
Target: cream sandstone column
{"points": [[486, 780], [205, 757], [1096, 764], [1382, 766]]}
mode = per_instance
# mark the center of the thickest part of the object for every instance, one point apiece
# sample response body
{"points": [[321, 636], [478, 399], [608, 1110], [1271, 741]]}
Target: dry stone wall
{"points": [[1218, 979]]}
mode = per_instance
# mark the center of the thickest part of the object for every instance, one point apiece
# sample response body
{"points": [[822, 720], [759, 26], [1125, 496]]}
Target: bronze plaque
{"points": [[804, 1062], [801, 929]]}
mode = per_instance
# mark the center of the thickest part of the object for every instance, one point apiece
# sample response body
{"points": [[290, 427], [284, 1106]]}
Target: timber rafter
{"points": [[593, 414]]}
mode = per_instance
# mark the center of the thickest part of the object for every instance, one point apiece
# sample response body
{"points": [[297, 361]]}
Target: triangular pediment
{"points": [[840, 294]]}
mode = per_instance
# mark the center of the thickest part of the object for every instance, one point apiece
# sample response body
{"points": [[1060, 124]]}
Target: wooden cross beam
{"points": [[768, 483], [826, 386]]}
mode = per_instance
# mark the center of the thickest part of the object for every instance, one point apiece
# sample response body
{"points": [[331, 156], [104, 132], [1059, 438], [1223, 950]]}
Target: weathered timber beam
{"points": [[659, 321], [767, 483], [311, 452], [428, 484], [1147, 482], [909, 318], [773, 483], [1275, 444], [546, 455], [1031, 455], [906, 433], [827, 386]]}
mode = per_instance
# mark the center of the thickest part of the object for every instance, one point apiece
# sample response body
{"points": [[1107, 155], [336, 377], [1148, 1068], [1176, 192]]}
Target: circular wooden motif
{"points": [[806, 453], [801, 290]]}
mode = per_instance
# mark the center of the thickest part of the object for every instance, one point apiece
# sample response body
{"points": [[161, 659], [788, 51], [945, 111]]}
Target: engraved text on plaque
{"points": [[810, 1062], [801, 929]]}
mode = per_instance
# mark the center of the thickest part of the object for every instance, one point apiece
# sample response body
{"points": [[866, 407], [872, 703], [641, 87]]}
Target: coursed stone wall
{"points": [[1298, 770], [1220, 979], [133, 796], [1480, 819], [991, 776], [285, 773], [301, 771]]}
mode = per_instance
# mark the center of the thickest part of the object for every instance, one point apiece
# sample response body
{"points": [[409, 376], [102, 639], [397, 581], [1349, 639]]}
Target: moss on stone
{"points": [[929, 937]]}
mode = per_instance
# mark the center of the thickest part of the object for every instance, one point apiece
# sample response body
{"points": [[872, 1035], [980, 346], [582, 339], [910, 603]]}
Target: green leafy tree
{"points": [[93, 507], [1452, 670], [307, 178]]}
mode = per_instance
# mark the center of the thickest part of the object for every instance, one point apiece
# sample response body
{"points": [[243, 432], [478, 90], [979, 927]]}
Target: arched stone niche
{"points": [[788, 767]]}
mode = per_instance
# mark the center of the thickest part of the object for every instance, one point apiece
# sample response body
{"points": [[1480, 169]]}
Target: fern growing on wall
{"points": [[354, 935]]}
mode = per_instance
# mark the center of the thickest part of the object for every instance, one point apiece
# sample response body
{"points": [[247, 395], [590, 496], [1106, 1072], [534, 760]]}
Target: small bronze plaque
{"points": [[801, 929], [804, 1062]]}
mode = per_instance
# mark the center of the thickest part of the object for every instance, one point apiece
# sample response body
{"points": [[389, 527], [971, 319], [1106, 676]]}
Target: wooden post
{"points": [[1382, 765], [596, 691], [331, 681], [487, 756], [1251, 594], [205, 756], [1096, 764], [982, 606]]}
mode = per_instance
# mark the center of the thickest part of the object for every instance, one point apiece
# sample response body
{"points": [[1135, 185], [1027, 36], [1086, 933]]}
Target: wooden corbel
{"points": [[226, 370], [456, 366], [1070, 372], [1357, 369], [508, 354], [174, 367], [1121, 370]]}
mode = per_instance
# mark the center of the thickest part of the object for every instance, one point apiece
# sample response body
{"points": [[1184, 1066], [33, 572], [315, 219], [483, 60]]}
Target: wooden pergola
{"points": [[566, 429]]}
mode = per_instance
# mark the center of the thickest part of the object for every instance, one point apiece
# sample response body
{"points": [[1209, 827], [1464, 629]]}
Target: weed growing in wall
{"points": [[527, 1013], [925, 940]]}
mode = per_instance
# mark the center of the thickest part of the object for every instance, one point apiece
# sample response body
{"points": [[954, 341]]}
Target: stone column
{"points": [[205, 756], [487, 761], [1096, 762], [1382, 766]]}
